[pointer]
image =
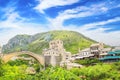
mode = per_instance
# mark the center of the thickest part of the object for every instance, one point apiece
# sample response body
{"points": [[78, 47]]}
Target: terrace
{"points": [[112, 56]]}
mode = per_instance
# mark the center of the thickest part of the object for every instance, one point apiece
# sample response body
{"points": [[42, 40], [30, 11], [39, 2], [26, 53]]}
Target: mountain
{"points": [[73, 41]]}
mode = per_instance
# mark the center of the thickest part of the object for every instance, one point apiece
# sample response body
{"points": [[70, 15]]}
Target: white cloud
{"points": [[79, 12], [111, 38], [24, 28], [15, 24], [12, 19], [98, 34], [45, 4], [101, 23]]}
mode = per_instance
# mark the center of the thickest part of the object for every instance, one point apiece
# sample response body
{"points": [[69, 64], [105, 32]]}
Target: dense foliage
{"points": [[102, 71], [88, 62], [73, 41], [98, 72]]}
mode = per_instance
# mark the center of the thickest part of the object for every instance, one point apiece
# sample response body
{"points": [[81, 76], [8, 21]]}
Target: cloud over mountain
{"points": [[97, 19]]}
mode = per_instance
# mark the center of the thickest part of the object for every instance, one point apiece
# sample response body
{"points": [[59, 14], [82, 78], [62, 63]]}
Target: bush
{"points": [[98, 72], [88, 62], [1, 68]]}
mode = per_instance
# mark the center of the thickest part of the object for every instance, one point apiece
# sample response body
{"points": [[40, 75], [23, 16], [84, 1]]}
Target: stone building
{"points": [[111, 56], [105, 51], [68, 64], [55, 53], [96, 49], [116, 48], [85, 53]]}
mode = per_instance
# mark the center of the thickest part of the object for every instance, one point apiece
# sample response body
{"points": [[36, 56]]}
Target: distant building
{"points": [[105, 51], [95, 51], [83, 54], [55, 53], [111, 56], [116, 48], [68, 64]]}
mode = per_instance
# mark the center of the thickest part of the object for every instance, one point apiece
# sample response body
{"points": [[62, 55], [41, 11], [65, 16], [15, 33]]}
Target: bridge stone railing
{"points": [[39, 58]]}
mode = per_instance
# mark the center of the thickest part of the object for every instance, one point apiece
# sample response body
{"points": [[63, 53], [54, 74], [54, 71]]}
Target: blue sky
{"points": [[96, 19]]}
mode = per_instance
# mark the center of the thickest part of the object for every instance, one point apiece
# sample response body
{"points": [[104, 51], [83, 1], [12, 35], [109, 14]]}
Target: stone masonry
{"points": [[55, 53]]}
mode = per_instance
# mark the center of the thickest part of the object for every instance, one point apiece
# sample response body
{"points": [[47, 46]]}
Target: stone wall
{"points": [[47, 60], [55, 53]]}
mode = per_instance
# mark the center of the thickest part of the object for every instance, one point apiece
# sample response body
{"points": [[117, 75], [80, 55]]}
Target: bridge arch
{"points": [[39, 58]]}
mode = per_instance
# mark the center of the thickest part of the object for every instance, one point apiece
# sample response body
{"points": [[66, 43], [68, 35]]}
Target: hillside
{"points": [[73, 41]]}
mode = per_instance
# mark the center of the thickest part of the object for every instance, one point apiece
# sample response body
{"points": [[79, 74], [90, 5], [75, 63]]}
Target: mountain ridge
{"points": [[73, 41]]}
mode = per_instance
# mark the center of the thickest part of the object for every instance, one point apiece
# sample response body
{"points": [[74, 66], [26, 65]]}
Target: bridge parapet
{"points": [[39, 58]]}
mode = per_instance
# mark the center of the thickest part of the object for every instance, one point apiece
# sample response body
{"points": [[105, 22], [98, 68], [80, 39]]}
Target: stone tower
{"points": [[56, 45], [96, 49], [55, 53]]}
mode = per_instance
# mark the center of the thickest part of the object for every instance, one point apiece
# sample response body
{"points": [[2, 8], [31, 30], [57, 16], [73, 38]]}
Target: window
{"points": [[66, 55]]}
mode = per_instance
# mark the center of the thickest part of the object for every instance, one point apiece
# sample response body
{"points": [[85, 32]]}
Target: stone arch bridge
{"points": [[39, 58]]}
